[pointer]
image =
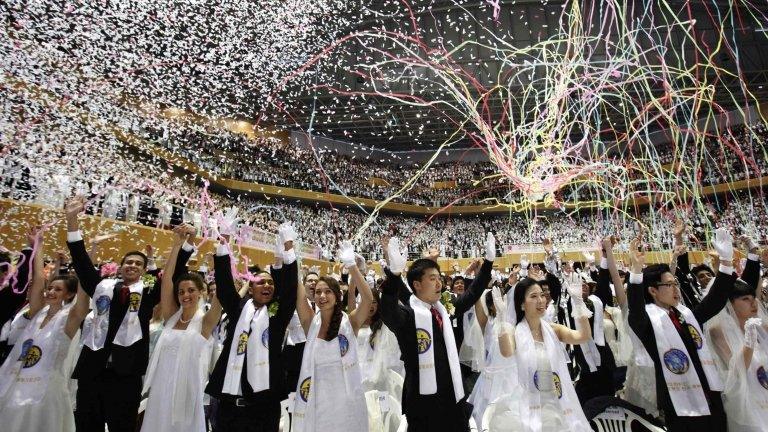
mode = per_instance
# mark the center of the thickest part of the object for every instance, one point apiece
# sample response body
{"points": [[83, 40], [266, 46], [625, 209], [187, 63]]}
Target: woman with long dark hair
{"points": [[34, 379], [551, 403], [329, 395], [178, 368]]}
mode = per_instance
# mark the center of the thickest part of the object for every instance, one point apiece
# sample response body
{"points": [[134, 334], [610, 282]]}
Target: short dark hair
{"points": [[304, 279], [5, 257], [138, 253], [740, 289], [702, 267], [458, 277], [652, 278], [418, 268]]}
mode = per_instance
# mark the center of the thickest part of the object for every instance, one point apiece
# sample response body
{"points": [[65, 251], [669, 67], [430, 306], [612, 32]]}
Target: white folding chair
{"points": [[618, 419], [395, 385], [391, 412]]}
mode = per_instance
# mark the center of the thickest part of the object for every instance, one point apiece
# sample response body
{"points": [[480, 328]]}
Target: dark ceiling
{"points": [[377, 121]]}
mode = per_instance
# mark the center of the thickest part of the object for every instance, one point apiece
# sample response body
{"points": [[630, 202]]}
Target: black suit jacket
{"points": [[286, 280], [640, 323], [401, 320], [130, 360]]}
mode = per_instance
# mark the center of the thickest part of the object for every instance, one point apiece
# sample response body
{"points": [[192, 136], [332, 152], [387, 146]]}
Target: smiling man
{"points": [[249, 377], [115, 335], [433, 391]]}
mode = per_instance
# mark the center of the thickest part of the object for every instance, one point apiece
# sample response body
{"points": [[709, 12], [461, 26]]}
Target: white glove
{"points": [[229, 220], [750, 332], [580, 309], [500, 305], [287, 232], [723, 244], [347, 254], [589, 256], [749, 243], [360, 263], [524, 263], [279, 248], [397, 260], [490, 247]]}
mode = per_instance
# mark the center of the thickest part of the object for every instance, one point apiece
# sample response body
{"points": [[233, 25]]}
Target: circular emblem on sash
{"points": [[557, 385], [134, 300], [25, 346], [304, 388], [242, 343], [265, 338], [762, 377], [696, 336], [102, 304], [423, 341], [34, 354], [676, 361], [343, 345]]}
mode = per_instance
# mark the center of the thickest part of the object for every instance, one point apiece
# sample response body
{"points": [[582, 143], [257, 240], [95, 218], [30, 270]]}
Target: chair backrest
{"points": [[618, 419]]}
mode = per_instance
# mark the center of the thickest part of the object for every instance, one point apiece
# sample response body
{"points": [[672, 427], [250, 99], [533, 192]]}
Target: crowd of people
{"points": [[223, 346]]}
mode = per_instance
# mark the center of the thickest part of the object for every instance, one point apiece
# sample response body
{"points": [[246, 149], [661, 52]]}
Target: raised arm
{"points": [[393, 315], [211, 317], [226, 292], [168, 305], [35, 236], [88, 275], [465, 301], [717, 297], [751, 273], [580, 313], [287, 281], [77, 313], [613, 270], [358, 316], [637, 316]]}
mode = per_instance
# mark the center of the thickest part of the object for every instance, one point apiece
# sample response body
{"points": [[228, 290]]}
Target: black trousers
{"points": [[108, 398], [261, 417], [715, 422], [292, 356]]}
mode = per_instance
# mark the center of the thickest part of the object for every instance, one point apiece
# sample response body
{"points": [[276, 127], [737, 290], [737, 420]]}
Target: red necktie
{"points": [[438, 318], [675, 320], [124, 291]]}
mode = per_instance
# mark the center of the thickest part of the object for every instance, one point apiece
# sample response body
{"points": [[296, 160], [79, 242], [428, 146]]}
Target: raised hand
{"points": [[490, 247], [748, 243], [636, 256], [347, 254], [549, 247], [287, 232], [499, 304], [723, 244], [73, 207], [397, 260], [34, 235]]}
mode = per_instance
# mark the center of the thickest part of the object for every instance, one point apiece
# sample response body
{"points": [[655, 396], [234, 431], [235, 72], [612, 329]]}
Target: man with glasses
{"points": [[688, 386]]}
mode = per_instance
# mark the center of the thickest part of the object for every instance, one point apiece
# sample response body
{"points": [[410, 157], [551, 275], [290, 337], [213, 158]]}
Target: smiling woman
{"points": [[175, 367]]}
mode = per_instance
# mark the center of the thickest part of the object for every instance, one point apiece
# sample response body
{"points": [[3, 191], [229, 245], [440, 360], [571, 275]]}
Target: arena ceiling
{"points": [[347, 104]]}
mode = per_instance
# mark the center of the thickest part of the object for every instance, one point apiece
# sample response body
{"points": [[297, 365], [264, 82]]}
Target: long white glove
{"points": [[501, 307], [750, 332], [347, 254], [723, 244], [490, 247], [279, 251], [229, 220], [287, 233], [580, 309], [360, 263], [590, 257], [397, 260], [524, 263]]}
